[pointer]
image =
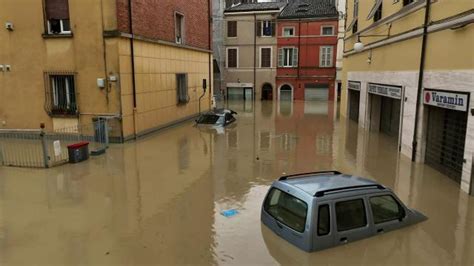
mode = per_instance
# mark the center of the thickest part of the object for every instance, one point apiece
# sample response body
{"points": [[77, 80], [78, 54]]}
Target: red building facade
{"points": [[307, 48]]}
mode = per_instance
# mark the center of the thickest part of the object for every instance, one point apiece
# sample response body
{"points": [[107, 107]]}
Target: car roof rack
{"points": [[342, 189], [332, 172]]}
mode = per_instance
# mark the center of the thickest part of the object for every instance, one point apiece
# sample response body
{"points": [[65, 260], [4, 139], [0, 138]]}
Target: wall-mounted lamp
{"points": [[359, 46]]}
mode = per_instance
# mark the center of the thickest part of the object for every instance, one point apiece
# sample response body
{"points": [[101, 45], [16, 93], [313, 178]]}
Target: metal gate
{"points": [[354, 102], [390, 116], [446, 136]]}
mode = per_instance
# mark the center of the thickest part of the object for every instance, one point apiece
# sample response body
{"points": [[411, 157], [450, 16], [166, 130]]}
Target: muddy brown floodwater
{"points": [[158, 200]]}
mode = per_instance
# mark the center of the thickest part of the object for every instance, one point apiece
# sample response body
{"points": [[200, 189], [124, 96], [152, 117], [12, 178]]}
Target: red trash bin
{"points": [[78, 152]]}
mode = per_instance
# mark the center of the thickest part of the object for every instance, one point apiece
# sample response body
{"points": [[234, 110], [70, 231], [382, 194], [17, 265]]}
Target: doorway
{"points": [[267, 92], [286, 93]]}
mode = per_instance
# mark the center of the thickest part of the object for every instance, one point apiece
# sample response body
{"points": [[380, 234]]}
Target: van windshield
{"points": [[287, 209], [208, 119]]}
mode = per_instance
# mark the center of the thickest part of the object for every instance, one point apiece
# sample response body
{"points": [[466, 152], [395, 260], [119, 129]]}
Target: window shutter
{"points": [[295, 57], [322, 56], [280, 57], [57, 9], [273, 25], [259, 28]]}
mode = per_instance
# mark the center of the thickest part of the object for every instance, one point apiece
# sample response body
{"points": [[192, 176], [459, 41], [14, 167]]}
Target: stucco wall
{"points": [[156, 66]]}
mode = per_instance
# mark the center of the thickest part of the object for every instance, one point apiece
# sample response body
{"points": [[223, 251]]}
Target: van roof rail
{"points": [[342, 189], [330, 172]]}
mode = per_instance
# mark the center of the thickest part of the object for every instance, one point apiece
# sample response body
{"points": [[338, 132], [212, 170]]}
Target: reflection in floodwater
{"points": [[158, 200]]}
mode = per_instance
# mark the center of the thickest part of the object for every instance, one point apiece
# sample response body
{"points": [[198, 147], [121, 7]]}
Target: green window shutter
{"points": [[295, 57], [280, 57]]}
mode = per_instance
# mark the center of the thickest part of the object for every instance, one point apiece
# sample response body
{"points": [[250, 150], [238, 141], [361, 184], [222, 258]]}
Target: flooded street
{"points": [[158, 200]]}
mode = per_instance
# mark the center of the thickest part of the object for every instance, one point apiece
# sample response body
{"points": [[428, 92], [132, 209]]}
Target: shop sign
{"points": [[447, 100], [388, 91], [354, 85], [239, 85]]}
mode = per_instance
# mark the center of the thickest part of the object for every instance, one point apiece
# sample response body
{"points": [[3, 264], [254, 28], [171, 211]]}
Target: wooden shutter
{"points": [[273, 25], [280, 57], [295, 57], [57, 9], [232, 58], [266, 57], [259, 28], [231, 28]]}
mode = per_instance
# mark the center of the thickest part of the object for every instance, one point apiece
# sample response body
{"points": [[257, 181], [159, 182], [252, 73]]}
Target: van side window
{"points": [[386, 208], [287, 209], [324, 225], [350, 214]]}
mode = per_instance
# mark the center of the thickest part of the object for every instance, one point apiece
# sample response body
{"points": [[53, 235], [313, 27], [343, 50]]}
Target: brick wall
{"points": [[155, 19]]}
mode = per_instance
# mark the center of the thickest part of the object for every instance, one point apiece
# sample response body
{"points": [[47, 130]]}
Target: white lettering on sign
{"points": [[388, 91], [447, 100], [239, 85], [354, 85]]}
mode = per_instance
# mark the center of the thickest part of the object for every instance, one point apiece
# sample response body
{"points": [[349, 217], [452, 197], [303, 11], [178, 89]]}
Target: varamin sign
{"points": [[448, 100]]}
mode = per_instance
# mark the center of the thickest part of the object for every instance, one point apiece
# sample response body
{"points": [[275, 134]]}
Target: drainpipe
{"points": [[421, 73], [299, 50], [254, 57], [132, 55], [209, 10]]}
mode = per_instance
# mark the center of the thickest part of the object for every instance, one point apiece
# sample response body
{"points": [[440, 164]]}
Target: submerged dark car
{"points": [[218, 117], [319, 210]]}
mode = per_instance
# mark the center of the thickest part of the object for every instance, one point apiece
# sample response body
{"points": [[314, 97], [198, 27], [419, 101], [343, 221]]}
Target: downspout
{"points": [[108, 85], [132, 55], [299, 50], [210, 82], [421, 73], [254, 58]]}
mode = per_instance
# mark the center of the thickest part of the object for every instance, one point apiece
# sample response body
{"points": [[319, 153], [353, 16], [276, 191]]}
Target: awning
{"points": [[374, 9]]}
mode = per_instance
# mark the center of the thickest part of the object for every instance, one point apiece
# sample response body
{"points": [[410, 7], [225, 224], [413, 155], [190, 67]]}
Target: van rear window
{"points": [[287, 209]]}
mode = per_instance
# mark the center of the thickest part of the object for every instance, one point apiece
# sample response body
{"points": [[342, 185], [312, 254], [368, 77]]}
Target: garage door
{"points": [[446, 141], [316, 92], [235, 93]]}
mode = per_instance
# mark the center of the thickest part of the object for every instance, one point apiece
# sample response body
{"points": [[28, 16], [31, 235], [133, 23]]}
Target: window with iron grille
{"points": [[182, 88], [179, 28], [57, 17], [231, 28], [232, 54], [266, 57], [61, 94]]}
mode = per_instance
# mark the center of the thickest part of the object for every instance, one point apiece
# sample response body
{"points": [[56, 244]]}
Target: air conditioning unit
{"points": [[9, 26]]}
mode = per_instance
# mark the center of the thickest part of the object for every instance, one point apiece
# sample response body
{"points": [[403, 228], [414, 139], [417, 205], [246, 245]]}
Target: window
{"points": [[288, 57], [63, 95], [288, 31], [265, 28], [327, 30], [378, 13], [179, 28], [325, 56], [182, 88], [355, 26], [350, 215], [57, 17], [386, 208], [232, 57], [265, 57], [231, 28], [407, 2], [286, 209], [324, 225]]}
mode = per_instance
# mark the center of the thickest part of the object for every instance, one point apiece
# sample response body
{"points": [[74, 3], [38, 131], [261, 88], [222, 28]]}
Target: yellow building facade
{"points": [[409, 73], [81, 70]]}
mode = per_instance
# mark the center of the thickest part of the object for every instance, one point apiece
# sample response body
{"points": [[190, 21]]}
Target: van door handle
{"points": [[380, 230], [343, 240], [279, 225]]}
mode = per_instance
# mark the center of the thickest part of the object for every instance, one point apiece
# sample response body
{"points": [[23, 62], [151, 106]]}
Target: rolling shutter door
{"points": [[316, 92]]}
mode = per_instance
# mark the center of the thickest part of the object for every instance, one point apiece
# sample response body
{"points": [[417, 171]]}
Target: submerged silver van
{"points": [[320, 210]]}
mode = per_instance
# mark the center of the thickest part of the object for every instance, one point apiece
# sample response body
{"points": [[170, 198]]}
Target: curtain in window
{"points": [[57, 9]]}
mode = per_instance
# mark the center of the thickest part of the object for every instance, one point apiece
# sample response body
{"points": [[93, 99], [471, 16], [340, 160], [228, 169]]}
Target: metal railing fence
{"points": [[43, 149]]}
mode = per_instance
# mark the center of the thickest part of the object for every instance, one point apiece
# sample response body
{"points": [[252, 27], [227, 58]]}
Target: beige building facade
{"points": [[250, 51], [409, 73], [63, 63]]}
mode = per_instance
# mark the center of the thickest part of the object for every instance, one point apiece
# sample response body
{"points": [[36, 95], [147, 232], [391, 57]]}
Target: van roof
{"points": [[316, 184]]}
